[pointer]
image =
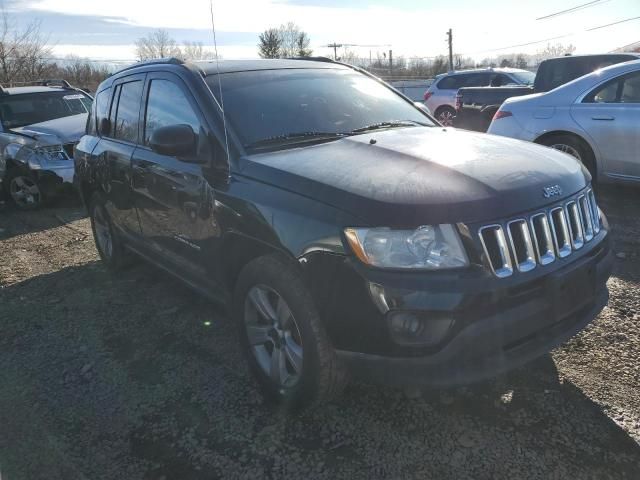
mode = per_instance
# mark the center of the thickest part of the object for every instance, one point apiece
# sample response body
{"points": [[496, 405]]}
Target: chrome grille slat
{"points": [[593, 207], [560, 230], [493, 240], [574, 222], [587, 219], [521, 245], [541, 238], [541, 232]]}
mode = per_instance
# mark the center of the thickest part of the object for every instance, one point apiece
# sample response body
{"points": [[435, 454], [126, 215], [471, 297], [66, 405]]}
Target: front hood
{"points": [[416, 175], [60, 130]]}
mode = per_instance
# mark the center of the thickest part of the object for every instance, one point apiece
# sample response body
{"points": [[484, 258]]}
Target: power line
{"points": [[523, 44], [554, 38], [571, 10], [610, 24]]}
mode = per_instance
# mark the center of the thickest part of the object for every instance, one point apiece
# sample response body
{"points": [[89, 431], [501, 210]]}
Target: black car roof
{"points": [[230, 66], [212, 67]]}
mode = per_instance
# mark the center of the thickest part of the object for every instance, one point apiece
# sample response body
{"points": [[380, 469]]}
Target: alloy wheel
{"points": [[445, 117], [567, 149], [24, 191], [103, 231], [273, 335]]}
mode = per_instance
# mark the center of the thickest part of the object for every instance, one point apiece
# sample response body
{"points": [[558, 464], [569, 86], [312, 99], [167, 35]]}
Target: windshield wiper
{"points": [[391, 124], [297, 137]]}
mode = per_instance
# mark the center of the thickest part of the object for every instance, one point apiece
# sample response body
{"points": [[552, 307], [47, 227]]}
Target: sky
{"points": [[107, 30]]}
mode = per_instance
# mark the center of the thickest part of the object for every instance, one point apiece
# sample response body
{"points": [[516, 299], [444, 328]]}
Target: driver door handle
{"points": [[603, 117]]}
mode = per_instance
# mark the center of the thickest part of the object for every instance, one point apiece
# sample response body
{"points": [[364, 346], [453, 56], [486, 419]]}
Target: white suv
{"points": [[441, 95]]}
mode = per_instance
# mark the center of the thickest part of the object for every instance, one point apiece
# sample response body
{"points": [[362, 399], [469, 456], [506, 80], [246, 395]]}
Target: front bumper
{"points": [[497, 331], [55, 179]]}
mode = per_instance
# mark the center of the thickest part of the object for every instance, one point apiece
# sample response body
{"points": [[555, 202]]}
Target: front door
{"points": [[174, 199], [610, 115]]}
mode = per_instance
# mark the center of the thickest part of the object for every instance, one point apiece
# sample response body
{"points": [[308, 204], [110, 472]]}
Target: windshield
{"points": [[282, 103], [28, 108], [526, 78]]}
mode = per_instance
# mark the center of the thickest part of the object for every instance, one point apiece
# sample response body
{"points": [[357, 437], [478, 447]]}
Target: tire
{"points": [[320, 377], [109, 245], [445, 115], [23, 190], [575, 147]]}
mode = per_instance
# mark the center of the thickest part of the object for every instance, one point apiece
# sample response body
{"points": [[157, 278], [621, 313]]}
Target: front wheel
{"points": [[24, 190], [286, 345], [108, 243]]}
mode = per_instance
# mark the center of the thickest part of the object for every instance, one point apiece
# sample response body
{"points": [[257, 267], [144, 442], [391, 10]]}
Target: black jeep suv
{"points": [[351, 233]]}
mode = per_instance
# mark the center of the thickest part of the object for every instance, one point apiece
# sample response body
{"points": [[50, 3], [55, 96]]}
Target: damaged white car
{"points": [[40, 126]]}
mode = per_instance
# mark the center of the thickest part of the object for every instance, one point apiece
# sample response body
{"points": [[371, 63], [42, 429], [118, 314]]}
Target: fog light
{"points": [[405, 324], [422, 328]]}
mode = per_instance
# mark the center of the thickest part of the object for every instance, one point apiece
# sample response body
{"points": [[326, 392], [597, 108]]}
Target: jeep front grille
{"points": [[541, 238]]}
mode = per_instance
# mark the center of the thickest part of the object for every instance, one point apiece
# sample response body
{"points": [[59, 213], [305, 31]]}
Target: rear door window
{"points": [[476, 80], [125, 124], [624, 89]]}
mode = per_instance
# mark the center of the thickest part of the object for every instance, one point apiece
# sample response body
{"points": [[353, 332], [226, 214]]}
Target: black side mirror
{"points": [[174, 140], [104, 127]]}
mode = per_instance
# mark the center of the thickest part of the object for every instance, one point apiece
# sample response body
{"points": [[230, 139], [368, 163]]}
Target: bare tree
{"points": [[81, 72], [284, 42], [23, 51], [196, 51], [554, 50], [158, 44], [270, 43], [289, 33], [302, 45], [521, 61]]}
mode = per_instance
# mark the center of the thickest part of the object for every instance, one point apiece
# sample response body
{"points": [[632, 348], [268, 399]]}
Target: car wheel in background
{"points": [[286, 345], [108, 243], [23, 189], [445, 115], [575, 147]]}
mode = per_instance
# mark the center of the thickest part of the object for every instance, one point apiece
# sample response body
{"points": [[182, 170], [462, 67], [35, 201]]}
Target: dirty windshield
{"points": [[276, 104]]}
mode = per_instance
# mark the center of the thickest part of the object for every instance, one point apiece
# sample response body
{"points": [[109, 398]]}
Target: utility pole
{"points": [[335, 46], [450, 40], [390, 62]]}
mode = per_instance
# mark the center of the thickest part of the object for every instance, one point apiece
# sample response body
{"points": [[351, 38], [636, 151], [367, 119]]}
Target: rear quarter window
{"points": [[101, 109], [452, 82]]}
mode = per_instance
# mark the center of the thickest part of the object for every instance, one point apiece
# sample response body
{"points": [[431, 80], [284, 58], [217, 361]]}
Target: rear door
{"points": [[173, 197], [115, 149], [610, 114]]}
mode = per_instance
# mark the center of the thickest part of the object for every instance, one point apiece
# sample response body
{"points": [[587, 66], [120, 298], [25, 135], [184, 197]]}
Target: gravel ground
{"points": [[136, 377]]}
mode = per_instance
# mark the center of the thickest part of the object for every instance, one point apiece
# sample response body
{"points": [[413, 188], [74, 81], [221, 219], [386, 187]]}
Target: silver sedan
{"points": [[595, 118]]}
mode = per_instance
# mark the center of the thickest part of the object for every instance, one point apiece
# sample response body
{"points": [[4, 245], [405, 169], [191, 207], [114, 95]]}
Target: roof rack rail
{"points": [[314, 59], [156, 61], [51, 82], [54, 82]]}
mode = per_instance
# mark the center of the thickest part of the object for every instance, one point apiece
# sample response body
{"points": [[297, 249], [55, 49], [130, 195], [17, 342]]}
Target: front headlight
{"points": [[427, 247]]}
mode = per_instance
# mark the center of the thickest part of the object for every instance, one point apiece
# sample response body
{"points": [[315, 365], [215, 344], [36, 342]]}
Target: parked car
{"points": [[40, 124], [595, 118], [476, 106], [440, 97], [350, 233]]}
